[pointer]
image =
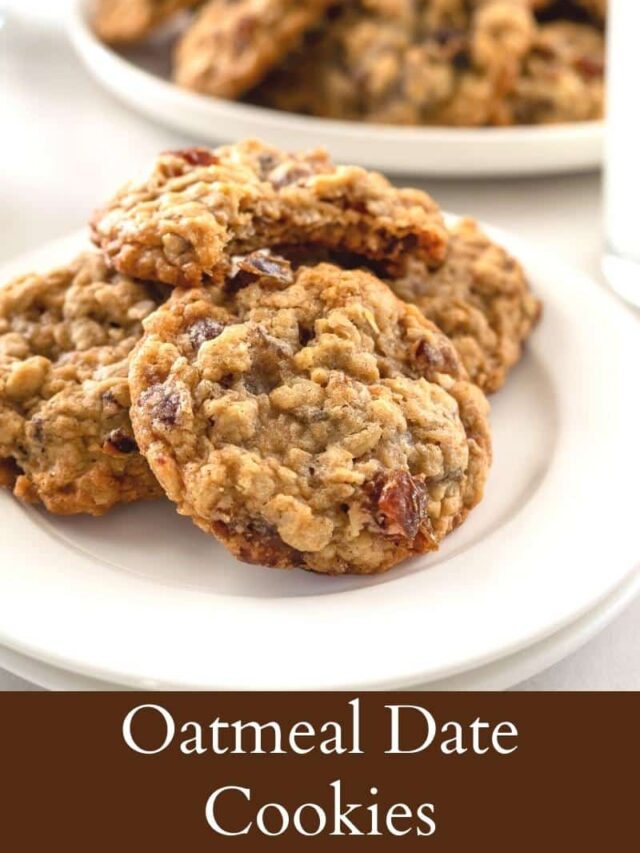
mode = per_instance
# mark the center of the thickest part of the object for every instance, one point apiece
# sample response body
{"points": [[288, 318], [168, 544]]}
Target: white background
{"points": [[66, 145]]}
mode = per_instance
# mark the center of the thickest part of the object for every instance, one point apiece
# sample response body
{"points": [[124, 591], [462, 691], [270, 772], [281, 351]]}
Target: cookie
{"points": [[233, 43], [481, 300], [479, 297], [401, 61], [313, 420], [66, 440], [181, 222], [122, 21], [445, 63], [562, 79]]}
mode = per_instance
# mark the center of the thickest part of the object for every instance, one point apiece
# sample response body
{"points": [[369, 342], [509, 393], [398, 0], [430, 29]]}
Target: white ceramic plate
{"points": [[499, 675], [516, 668], [139, 76], [141, 597]]}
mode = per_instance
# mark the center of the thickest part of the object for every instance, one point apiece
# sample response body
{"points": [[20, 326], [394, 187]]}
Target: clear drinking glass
{"points": [[621, 263]]}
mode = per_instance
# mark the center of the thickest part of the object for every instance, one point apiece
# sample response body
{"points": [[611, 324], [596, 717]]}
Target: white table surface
{"points": [[66, 145]]}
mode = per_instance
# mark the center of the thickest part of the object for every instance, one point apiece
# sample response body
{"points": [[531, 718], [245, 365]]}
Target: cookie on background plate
{"points": [[122, 21], [66, 440], [309, 418], [480, 298], [182, 221], [562, 78], [406, 62], [233, 43]]}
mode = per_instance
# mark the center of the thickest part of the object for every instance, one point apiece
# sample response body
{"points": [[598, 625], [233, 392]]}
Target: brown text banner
{"points": [[319, 772]]}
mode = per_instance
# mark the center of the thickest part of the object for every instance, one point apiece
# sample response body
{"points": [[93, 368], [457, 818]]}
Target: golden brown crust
{"points": [[309, 418], [65, 436], [181, 223]]}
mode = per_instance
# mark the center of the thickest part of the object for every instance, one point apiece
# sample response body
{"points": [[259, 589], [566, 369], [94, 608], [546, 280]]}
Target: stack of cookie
{"points": [[295, 353], [416, 62]]}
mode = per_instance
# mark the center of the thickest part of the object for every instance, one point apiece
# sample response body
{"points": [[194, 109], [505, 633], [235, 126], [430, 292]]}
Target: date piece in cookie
{"points": [[233, 43], [316, 421], [65, 435], [480, 298], [122, 21], [181, 222]]}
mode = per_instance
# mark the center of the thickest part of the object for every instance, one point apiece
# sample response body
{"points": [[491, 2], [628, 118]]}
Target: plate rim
{"points": [[499, 675]]}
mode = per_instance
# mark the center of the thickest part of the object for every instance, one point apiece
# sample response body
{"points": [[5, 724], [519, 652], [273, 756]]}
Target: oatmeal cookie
{"points": [[122, 21], [65, 435], [480, 298], [401, 61], [314, 420], [233, 43], [181, 222], [562, 77]]}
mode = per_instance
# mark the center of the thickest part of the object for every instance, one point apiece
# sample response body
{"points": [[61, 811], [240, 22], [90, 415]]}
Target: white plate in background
{"points": [[139, 76], [143, 598]]}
